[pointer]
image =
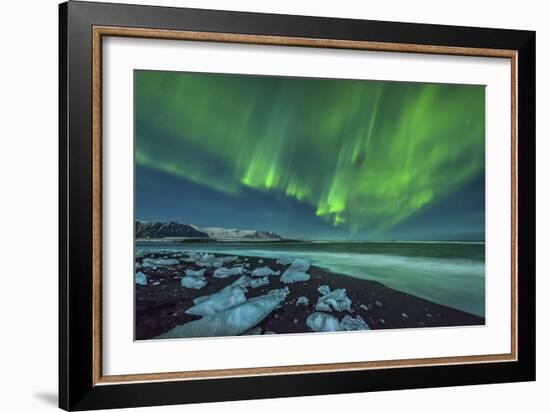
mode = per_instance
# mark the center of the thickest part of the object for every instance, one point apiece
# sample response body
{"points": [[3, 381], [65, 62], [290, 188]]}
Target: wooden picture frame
{"points": [[82, 384]]}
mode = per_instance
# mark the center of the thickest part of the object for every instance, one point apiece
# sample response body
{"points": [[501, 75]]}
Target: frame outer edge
{"points": [[76, 361], [527, 206], [63, 375], [78, 216]]}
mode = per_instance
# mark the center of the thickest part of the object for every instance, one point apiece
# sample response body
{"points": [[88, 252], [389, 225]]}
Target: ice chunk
{"points": [[337, 300], [228, 259], [260, 261], [322, 322], [302, 300], [296, 272], [323, 290], [191, 257], [205, 260], [265, 271], [150, 262], [141, 279], [209, 260], [299, 265], [225, 272], [283, 261], [198, 273], [246, 281], [349, 323], [256, 283], [193, 282], [242, 281], [254, 331], [200, 299], [140, 254], [233, 321], [217, 302], [280, 293], [291, 277]]}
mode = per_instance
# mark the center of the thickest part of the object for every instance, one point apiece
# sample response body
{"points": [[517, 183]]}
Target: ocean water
{"points": [[448, 273]]}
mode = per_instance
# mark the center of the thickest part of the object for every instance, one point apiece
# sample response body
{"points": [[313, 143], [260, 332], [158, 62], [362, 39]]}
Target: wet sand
{"points": [[161, 304]]}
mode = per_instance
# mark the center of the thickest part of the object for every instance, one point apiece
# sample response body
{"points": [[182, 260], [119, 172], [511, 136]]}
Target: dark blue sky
{"points": [[311, 158], [164, 197]]}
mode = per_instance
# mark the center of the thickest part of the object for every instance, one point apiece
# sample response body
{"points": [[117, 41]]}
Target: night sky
{"points": [[311, 158]]}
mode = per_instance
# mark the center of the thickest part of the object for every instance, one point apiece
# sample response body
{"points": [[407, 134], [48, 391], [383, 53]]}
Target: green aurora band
{"points": [[365, 154]]}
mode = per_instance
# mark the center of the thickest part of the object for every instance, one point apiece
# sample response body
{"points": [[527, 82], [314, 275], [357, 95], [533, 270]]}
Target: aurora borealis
{"points": [[310, 158]]}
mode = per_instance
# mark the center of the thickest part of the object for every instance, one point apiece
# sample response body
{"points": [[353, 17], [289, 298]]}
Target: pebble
{"points": [[382, 321], [378, 303], [404, 315]]}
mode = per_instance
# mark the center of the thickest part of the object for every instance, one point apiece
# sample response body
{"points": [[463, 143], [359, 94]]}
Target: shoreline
{"points": [[160, 305], [199, 240]]}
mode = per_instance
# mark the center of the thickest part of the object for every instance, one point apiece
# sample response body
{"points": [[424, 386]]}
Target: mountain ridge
{"points": [[172, 230]]}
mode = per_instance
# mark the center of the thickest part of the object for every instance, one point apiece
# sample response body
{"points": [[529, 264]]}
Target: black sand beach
{"points": [[161, 304]]}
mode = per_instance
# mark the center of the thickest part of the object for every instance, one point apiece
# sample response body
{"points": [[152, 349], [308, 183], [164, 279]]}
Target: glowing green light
{"points": [[364, 154]]}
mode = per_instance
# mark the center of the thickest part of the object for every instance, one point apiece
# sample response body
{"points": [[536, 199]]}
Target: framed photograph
{"points": [[257, 205]]}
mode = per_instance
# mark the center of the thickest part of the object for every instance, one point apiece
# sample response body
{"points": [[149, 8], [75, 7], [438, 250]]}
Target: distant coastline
{"points": [[174, 232], [213, 240]]}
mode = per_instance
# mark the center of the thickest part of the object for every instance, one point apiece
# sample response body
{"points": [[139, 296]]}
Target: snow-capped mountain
{"points": [[227, 234], [160, 230]]}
